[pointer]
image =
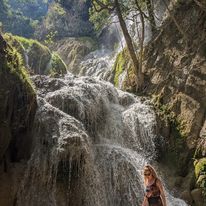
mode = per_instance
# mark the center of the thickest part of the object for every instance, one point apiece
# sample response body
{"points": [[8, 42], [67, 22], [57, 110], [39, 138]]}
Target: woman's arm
{"points": [[145, 201], [162, 193]]}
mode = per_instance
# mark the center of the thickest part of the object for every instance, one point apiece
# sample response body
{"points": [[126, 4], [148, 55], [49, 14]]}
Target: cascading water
{"points": [[91, 142], [100, 63]]}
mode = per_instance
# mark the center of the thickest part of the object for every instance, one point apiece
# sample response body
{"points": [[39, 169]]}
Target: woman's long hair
{"points": [[149, 168]]}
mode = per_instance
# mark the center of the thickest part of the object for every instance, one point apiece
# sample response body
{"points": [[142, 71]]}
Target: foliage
{"points": [[50, 37], [100, 18], [57, 65], [28, 43], [27, 8], [18, 16], [59, 10], [103, 17]]}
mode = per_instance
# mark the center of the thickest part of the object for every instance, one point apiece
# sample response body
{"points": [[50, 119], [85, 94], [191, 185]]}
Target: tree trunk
{"points": [[141, 38], [151, 16], [128, 39]]}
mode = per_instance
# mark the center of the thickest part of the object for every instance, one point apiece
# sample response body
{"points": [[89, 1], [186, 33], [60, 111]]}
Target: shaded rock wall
{"points": [[17, 110], [175, 68]]}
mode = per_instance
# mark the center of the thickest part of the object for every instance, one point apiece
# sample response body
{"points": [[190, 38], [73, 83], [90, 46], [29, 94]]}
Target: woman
{"points": [[154, 192]]}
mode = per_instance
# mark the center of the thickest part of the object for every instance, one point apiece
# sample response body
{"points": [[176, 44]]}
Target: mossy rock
{"points": [[74, 50], [17, 104], [38, 54], [119, 67], [37, 57], [123, 64], [56, 66], [15, 43], [200, 167], [200, 173]]}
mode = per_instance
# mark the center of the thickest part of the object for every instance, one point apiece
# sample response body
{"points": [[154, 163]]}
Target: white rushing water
{"points": [[100, 63], [91, 142]]}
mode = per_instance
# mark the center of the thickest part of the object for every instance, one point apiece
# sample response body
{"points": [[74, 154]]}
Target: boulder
{"points": [[197, 197]]}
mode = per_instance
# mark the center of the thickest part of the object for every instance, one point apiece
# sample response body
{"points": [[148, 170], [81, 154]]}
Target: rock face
{"points": [[17, 110], [176, 68], [68, 19], [17, 97], [175, 77], [73, 51], [175, 65]]}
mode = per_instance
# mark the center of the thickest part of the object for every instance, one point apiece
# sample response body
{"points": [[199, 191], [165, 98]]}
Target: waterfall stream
{"points": [[100, 63], [91, 142]]}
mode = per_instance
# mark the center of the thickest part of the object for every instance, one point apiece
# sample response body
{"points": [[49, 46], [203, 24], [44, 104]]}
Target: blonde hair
{"points": [[151, 170]]}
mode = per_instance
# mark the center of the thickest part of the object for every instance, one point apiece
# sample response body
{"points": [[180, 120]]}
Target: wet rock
{"points": [[73, 51], [17, 110], [197, 197], [186, 195]]}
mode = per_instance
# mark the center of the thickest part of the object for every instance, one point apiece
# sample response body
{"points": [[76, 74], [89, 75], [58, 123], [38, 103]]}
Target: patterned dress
{"points": [[152, 192]]}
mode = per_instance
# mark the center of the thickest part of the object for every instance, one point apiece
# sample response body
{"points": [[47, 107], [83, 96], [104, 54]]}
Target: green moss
{"points": [[17, 100], [200, 167], [57, 65], [36, 57], [17, 45], [121, 64], [38, 54], [118, 67], [200, 174], [28, 43], [15, 66]]}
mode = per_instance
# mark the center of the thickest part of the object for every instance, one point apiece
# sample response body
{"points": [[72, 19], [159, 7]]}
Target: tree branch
{"points": [[102, 6], [201, 5]]}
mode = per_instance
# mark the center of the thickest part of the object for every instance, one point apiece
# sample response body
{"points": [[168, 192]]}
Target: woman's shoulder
{"points": [[158, 181]]}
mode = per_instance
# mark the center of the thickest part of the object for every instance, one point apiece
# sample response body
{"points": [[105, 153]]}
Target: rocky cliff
{"points": [[175, 77], [17, 110]]}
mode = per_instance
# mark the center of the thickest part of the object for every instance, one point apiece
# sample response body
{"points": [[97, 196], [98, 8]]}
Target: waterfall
{"points": [[100, 63], [91, 142]]}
